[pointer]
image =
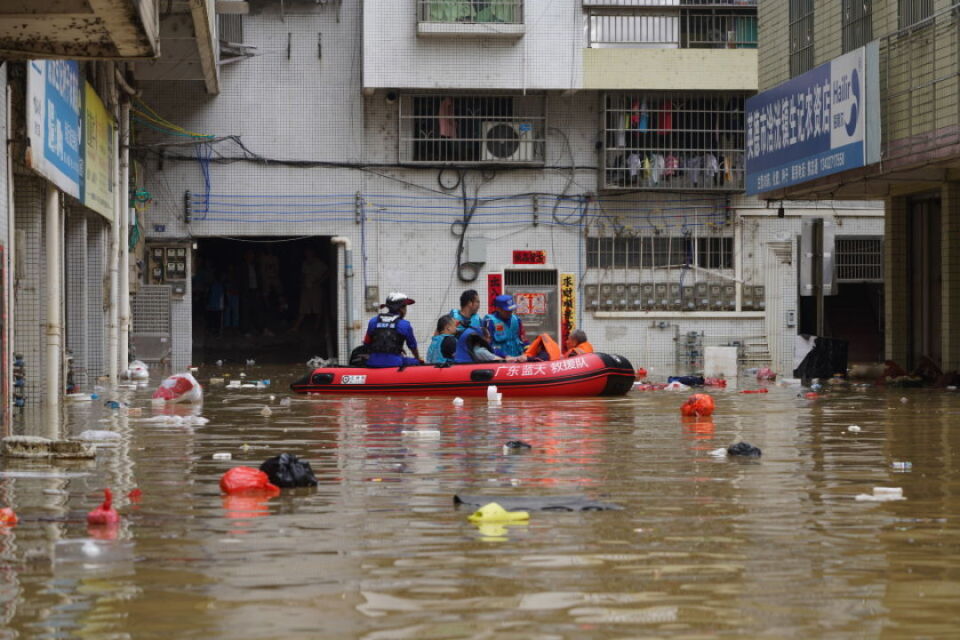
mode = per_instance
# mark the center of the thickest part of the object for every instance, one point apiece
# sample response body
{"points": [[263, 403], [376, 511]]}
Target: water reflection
{"points": [[773, 547]]}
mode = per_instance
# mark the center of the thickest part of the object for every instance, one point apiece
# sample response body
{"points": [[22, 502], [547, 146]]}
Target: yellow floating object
{"points": [[493, 512]]}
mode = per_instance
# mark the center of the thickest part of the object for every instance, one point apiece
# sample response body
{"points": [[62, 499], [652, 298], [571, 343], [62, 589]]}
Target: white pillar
{"points": [[54, 357], [113, 316], [123, 222]]}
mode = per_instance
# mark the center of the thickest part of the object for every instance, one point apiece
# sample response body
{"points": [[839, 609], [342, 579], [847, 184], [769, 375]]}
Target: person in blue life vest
{"points": [[473, 345], [387, 333], [468, 314], [443, 346], [505, 328]]}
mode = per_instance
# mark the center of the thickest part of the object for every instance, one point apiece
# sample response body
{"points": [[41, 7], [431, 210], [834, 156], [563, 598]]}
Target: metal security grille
{"points": [[460, 129], [151, 323], [675, 26], [673, 141], [230, 28], [471, 11], [857, 23], [801, 36], [706, 252], [910, 12], [529, 277], [859, 259]]}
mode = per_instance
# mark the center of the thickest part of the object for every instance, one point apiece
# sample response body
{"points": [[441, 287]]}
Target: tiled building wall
{"points": [[29, 279], [312, 110]]}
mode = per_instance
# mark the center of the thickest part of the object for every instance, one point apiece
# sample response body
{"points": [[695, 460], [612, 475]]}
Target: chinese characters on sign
{"points": [[98, 126], [540, 368], [568, 306], [494, 289], [529, 257], [53, 122]]}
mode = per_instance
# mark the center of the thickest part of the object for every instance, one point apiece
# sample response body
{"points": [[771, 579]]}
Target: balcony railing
{"points": [[471, 129], [683, 30], [470, 11], [671, 141], [669, 3], [920, 107]]}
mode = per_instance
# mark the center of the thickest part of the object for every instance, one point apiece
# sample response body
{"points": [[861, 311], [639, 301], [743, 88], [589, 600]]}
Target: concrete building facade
{"points": [[439, 146], [919, 74]]}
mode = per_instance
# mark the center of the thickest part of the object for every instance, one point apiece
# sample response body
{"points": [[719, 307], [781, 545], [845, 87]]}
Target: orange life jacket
{"points": [[544, 343], [579, 350]]}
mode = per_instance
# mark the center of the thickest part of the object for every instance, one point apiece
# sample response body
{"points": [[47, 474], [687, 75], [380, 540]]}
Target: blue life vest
{"points": [[435, 352], [475, 321], [465, 343], [506, 337]]}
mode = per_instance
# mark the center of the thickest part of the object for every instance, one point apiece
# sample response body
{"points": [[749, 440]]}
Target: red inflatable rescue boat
{"points": [[591, 374]]}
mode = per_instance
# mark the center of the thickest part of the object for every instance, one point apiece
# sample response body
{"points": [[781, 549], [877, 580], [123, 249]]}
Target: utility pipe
{"points": [[113, 315], [9, 270], [123, 210], [347, 284], [54, 326]]}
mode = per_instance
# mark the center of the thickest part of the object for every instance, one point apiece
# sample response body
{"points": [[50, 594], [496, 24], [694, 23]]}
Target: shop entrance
{"points": [[270, 299]]}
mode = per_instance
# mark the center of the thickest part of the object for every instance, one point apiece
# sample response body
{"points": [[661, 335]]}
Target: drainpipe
{"points": [[9, 269], [123, 210], [54, 326], [347, 284]]}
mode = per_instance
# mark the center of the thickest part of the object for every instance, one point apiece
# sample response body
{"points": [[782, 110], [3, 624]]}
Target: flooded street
{"points": [[704, 546]]}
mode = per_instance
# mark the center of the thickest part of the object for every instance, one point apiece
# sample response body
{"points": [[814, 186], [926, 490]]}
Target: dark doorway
{"points": [[855, 314], [924, 282], [270, 299]]}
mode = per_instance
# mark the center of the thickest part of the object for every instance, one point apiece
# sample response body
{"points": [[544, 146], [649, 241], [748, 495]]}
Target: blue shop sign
{"points": [[822, 122], [54, 123]]}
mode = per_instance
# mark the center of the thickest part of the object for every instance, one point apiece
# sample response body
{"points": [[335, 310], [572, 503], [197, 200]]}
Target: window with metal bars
{"points": [[472, 129], [671, 141], [910, 12], [801, 36], [471, 11], [857, 23], [660, 251], [859, 259]]}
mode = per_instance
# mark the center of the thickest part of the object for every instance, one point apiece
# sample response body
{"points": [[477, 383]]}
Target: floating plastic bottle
{"points": [[493, 512]]}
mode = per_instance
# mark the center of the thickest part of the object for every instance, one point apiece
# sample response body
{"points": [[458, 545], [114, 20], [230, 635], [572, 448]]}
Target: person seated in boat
{"points": [[543, 348], [577, 344], [473, 345], [443, 346], [468, 314], [387, 333], [505, 328]]}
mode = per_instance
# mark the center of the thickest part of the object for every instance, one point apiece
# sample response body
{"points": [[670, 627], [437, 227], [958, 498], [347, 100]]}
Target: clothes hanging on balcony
{"points": [[448, 124], [657, 167], [639, 117], [671, 166], [633, 163], [711, 167], [666, 117]]}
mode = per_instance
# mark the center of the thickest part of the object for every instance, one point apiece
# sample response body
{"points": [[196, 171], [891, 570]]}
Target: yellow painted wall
{"points": [[670, 69]]}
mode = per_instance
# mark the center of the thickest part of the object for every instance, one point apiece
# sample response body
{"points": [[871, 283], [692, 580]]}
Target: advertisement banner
{"points": [[98, 155], [54, 124], [821, 122], [494, 289]]}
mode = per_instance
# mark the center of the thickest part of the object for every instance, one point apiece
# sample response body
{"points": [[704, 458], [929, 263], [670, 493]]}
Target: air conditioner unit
{"points": [[507, 142]]}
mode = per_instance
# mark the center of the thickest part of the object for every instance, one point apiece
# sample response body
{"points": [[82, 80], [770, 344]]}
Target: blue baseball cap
{"points": [[505, 302]]}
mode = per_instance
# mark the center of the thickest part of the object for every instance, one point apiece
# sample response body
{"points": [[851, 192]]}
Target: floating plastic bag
{"points": [[744, 449], [676, 386], [137, 371], [180, 387], [699, 404], [7, 517], [493, 512], [105, 514], [287, 470], [690, 381], [766, 373], [247, 479]]}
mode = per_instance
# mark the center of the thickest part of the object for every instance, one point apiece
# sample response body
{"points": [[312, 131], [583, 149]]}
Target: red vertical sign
{"points": [[494, 289]]}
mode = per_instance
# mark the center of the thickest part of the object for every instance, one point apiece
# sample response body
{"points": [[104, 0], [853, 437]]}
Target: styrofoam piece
{"points": [[223, 455], [882, 494], [458, 402], [492, 392], [99, 436], [902, 466], [853, 429], [421, 433]]}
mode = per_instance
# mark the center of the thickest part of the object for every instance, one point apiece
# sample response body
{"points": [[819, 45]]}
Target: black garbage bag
{"points": [[287, 470], [690, 381], [359, 356], [744, 449]]}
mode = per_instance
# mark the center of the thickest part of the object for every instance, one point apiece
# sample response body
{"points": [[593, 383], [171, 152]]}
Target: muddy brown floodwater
{"points": [[704, 546]]}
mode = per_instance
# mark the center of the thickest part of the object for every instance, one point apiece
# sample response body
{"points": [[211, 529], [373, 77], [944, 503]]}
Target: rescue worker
{"points": [[505, 329], [577, 344], [443, 346], [387, 333], [468, 315], [473, 346]]}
